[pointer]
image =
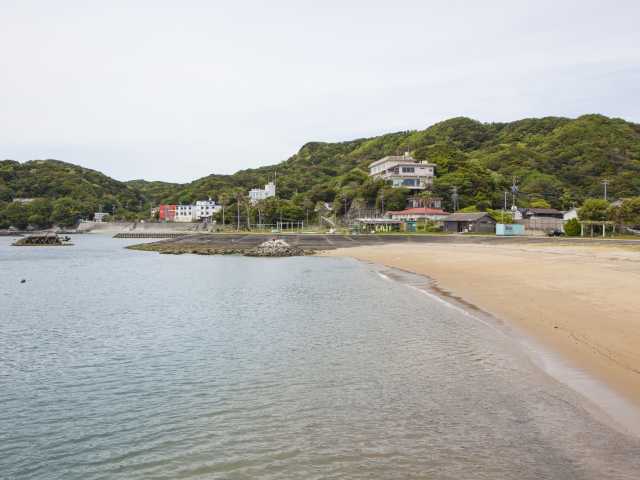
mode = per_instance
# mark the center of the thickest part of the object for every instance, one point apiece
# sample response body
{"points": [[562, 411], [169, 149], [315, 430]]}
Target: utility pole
{"points": [[514, 192], [382, 201], [238, 208], [454, 198], [504, 207], [605, 183]]}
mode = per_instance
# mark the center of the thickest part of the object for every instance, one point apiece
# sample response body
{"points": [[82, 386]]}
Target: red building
{"points": [[167, 213]]}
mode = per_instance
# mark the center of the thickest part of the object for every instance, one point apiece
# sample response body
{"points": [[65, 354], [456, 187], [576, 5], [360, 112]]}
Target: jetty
{"points": [[149, 235]]}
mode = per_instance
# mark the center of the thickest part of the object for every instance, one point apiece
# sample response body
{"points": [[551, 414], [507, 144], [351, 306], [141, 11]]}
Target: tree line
{"points": [[559, 161]]}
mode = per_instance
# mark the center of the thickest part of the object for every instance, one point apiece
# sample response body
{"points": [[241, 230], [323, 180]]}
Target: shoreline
{"points": [[593, 356]]}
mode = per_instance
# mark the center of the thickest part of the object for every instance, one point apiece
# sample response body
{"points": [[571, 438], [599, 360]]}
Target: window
{"points": [[408, 169]]}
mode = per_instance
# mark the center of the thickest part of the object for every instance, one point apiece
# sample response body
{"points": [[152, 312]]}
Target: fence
{"points": [[541, 224]]}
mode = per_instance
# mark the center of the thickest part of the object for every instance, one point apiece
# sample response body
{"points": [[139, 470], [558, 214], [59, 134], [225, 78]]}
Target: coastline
{"points": [[572, 306]]}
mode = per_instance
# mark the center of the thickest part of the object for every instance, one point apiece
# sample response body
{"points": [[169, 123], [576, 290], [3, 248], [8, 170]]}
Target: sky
{"points": [[175, 91]]}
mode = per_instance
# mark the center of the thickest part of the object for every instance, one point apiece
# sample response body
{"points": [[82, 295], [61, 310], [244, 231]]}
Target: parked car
{"points": [[555, 233]]}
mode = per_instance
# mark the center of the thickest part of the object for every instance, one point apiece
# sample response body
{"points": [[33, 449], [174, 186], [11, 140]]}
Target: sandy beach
{"points": [[582, 302]]}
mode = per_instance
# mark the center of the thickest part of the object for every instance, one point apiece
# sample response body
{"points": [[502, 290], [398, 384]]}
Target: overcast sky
{"points": [[178, 90]]}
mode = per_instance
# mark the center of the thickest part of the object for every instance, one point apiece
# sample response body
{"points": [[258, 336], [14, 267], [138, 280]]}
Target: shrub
{"points": [[572, 228]]}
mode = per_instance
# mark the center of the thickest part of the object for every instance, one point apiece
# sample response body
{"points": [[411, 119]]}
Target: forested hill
{"points": [[560, 160], [55, 179]]}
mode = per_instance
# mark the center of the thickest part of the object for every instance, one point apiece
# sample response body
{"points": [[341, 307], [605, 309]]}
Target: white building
{"points": [[403, 171], [202, 210], [570, 214], [205, 209], [184, 213], [257, 194], [99, 216]]}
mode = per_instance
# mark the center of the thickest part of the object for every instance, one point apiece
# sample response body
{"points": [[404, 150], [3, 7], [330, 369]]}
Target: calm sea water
{"points": [[131, 365]]}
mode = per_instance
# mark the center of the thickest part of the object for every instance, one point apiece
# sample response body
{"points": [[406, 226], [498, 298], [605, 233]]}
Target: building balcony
{"points": [[411, 182]]}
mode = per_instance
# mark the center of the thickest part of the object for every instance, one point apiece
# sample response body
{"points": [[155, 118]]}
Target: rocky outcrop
{"points": [[274, 248], [48, 238]]}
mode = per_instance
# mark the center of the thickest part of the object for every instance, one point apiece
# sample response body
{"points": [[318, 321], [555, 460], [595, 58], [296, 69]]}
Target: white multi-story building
{"points": [[205, 209], [403, 171], [257, 194], [184, 213], [202, 210]]}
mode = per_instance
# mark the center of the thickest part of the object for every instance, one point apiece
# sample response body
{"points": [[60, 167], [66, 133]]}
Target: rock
{"points": [[274, 248], [41, 239]]}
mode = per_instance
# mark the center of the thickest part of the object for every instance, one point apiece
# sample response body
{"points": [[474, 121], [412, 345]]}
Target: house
{"points": [[414, 214], [475, 222], [403, 171], [99, 216], [257, 194], [536, 213]]}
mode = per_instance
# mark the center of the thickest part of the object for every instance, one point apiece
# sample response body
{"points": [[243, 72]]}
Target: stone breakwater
{"points": [[45, 239], [270, 248]]}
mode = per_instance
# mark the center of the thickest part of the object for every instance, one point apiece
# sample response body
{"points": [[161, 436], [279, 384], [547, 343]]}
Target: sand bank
{"points": [[580, 301]]}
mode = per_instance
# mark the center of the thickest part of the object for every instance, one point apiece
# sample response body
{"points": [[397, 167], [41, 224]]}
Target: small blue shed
{"points": [[509, 229]]}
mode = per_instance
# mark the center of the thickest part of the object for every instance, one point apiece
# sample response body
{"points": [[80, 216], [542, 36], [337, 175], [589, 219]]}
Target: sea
{"points": [[122, 364]]}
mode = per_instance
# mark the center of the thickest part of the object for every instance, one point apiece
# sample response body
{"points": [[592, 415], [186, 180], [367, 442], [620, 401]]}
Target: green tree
{"points": [[394, 198], [66, 212], [16, 215], [539, 203], [40, 212], [594, 209], [629, 212]]}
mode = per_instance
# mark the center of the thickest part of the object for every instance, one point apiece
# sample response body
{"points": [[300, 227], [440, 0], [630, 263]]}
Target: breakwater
{"points": [[149, 235], [240, 243]]}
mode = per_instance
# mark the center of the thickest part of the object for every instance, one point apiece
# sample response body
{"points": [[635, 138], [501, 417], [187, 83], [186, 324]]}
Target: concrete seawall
{"points": [[147, 227]]}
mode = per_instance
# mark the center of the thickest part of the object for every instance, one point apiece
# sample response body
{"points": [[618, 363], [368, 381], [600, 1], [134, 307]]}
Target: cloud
{"points": [[170, 92]]}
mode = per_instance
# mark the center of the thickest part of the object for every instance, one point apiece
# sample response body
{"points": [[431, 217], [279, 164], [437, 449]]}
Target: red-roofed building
{"points": [[413, 214]]}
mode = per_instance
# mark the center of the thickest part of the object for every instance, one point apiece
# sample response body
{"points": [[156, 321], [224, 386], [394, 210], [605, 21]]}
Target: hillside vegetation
{"points": [[559, 160]]}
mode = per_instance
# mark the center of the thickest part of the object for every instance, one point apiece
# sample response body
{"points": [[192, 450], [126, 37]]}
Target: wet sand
{"points": [[582, 302]]}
